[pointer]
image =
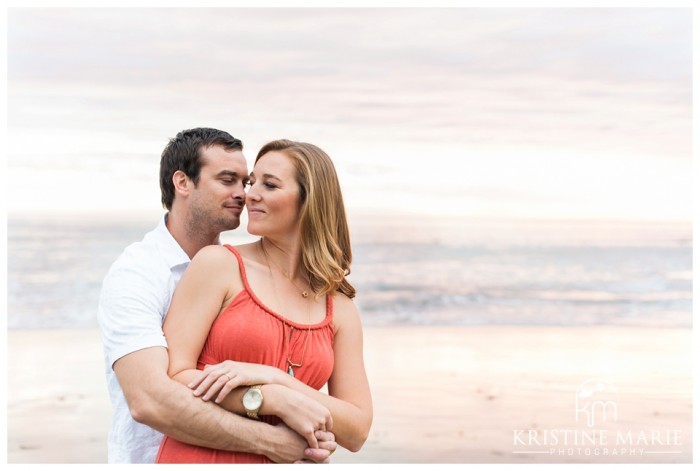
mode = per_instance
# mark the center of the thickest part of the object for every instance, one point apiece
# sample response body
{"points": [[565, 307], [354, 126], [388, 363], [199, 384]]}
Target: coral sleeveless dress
{"points": [[248, 331]]}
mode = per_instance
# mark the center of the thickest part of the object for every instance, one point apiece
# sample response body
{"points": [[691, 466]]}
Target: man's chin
{"points": [[229, 224]]}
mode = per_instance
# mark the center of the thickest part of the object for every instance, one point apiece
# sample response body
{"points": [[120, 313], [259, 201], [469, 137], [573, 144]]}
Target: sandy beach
{"points": [[441, 395]]}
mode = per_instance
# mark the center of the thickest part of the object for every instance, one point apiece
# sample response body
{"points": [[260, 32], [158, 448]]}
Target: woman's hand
{"points": [[302, 414], [226, 376]]}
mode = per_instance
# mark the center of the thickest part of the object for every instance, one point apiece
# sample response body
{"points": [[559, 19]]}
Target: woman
{"points": [[274, 320]]}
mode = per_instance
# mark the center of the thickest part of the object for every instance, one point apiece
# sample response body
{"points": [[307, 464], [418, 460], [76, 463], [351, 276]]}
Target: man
{"points": [[203, 174]]}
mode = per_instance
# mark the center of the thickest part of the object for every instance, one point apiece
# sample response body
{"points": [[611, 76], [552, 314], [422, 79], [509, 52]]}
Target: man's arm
{"points": [[130, 313], [171, 408], [348, 402]]}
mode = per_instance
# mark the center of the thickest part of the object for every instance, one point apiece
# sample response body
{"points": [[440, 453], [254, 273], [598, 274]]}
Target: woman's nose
{"points": [[252, 194]]}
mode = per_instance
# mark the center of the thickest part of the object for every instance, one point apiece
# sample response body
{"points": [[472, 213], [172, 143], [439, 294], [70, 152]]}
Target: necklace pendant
{"points": [[304, 294], [290, 371]]}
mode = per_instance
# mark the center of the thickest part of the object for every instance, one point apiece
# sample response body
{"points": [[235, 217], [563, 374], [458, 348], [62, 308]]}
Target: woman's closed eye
{"points": [[267, 184]]}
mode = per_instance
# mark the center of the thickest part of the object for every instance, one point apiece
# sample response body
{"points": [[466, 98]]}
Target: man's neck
{"points": [[190, 242]]}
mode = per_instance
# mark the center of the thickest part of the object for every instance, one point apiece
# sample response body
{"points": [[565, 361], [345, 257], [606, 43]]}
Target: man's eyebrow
{"points": [[228, 173]]}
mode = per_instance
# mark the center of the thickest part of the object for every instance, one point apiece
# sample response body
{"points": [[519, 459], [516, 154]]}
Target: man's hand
{"points": [[322, 454]]}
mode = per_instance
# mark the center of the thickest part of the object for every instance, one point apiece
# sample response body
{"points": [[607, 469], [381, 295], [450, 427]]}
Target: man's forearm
{"points": [[190, 420], [171, 408], [300, 414], [201, 423]]}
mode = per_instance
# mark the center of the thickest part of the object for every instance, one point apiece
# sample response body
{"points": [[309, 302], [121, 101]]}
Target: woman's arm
{"points": [[207, 287], [349, 400]]}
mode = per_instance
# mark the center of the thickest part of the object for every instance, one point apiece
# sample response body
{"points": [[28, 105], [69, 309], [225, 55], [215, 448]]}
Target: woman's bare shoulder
{"points": [[341, 301], [247, 250], [214, 256], [344, 310]]}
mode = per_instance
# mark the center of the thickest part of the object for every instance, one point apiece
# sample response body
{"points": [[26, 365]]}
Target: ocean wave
{"points": [[55, 273]]}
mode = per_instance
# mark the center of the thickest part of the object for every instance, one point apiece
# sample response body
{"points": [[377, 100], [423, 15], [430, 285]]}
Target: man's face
{"points": [[217, 200]]}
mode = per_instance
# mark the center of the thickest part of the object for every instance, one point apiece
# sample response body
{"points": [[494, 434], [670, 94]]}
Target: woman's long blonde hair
{"points": [[325, 238]]}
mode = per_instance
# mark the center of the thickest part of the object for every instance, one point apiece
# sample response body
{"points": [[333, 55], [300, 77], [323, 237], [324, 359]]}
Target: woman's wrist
{"points": [[280, 377], [284, 379], [273, 399]]}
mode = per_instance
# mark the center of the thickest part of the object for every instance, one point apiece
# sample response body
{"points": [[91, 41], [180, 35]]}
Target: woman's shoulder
{"points": [[341, 299], [214, 256], [212, 251], [246, 250], [346, 316], [227, 255], [344, 306]]}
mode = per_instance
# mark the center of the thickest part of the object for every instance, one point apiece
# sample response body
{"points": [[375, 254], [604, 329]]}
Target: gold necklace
{"points": [[290, 363], [304, 293]]}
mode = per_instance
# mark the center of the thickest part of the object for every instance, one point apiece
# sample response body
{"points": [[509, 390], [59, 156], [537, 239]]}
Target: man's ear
{"points": [[182, 183]]}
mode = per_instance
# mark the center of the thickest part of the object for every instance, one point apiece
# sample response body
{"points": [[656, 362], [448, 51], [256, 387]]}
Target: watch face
{"points": [[252, 399]]}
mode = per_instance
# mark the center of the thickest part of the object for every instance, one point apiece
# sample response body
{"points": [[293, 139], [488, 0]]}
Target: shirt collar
{"points": [[169, 247]]}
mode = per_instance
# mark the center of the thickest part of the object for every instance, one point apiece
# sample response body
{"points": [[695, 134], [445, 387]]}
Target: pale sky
{"points": [[535, 112]]}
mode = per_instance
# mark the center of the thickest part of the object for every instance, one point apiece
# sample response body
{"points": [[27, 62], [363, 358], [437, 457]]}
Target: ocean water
{"points": [[407, 270]]}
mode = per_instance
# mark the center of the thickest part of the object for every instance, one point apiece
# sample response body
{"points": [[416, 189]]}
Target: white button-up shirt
{"points": [[134, 300]]}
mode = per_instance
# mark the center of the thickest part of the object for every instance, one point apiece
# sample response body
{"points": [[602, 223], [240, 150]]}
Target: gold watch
{"points": [[252, 401]]}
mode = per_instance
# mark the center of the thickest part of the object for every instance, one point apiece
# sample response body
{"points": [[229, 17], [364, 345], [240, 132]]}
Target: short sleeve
{"points": [[132, 306]]}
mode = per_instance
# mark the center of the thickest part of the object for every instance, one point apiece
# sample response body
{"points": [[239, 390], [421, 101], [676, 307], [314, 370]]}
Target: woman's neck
{"points": [[285, 256]]}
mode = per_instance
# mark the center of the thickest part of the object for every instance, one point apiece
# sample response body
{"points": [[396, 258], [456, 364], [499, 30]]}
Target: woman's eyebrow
{"points": [[265, 175]]}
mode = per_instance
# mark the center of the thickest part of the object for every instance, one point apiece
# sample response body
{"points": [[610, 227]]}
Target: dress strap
{"points": [[241, 265], [329, 307], [329, 299]]}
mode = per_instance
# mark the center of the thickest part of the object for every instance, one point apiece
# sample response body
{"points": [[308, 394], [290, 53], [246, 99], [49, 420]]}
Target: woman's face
{"points": [[272, 200]]}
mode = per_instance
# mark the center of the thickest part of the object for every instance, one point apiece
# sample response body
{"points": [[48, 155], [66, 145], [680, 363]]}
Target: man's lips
{"points": [[235, 207]]}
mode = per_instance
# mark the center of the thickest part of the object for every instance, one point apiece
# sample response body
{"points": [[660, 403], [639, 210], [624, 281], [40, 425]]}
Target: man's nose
{"points": [[239, 191]]}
